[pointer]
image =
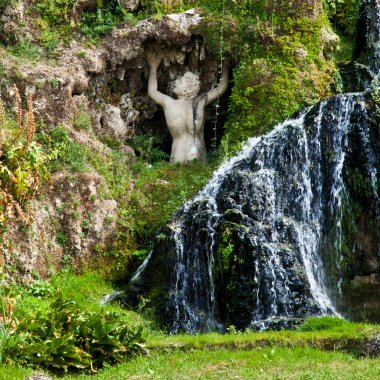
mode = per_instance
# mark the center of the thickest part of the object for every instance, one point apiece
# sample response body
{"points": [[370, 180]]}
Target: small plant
{"points": [[66, 152], [81, 54], [54, 82], [232, 330], [62, 238], [25, 49], [227, 247], [41, 289], [82, 121], [49, 39]]}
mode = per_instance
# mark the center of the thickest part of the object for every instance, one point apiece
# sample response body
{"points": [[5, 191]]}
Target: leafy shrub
{"points": [[49, 39], [67, 338], [66, 153], [98, 23], [82, 121], [55, 11], [147, 148]]}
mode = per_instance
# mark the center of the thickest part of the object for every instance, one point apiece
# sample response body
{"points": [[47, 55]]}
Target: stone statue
{"points": [[185, 116]]}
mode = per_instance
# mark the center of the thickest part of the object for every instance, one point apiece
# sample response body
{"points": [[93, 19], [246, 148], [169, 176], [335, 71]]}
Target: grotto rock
{"points": [[70, 220], [112, 123], [10, 19]]}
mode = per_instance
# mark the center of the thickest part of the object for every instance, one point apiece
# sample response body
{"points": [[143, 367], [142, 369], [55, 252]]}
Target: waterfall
{"points": [[370, 36], [272, 237]]}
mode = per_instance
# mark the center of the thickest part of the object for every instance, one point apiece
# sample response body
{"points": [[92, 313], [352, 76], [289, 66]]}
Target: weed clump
{"points": [[324, 324]]}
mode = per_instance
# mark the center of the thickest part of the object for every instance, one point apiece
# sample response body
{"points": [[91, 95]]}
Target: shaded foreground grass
{"points": [[261, 363], [268, 363]]}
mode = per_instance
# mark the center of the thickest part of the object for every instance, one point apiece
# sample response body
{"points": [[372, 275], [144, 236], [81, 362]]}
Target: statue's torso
{"points": [[185, 120]]}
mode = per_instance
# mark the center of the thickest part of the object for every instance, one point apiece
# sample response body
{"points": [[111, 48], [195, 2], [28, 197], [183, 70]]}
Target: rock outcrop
{"points": [[65, 225], [105, 85]]}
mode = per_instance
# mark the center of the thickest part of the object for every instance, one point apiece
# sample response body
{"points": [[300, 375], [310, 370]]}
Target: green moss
{"points": [[343, 14], [162, 189], [280, 65]]}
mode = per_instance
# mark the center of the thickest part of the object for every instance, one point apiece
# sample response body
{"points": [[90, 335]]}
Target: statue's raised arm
{"points": [[222, 86], [185, 114], [154, 61]]}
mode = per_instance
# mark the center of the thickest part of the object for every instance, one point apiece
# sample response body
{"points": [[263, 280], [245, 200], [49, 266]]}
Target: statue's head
{"points": [[188, 86]]}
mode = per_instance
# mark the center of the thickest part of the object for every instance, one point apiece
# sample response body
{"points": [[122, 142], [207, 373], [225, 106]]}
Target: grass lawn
{"points": [[268, 363]]}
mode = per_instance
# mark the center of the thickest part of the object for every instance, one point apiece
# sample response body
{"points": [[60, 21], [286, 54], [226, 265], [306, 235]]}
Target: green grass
{"points": [[345, 335], [322, 348], [87, 290], [269, 363], [15, 373]]}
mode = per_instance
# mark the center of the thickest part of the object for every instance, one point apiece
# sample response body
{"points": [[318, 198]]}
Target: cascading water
{"points": [[371, 35], [273, 235]]}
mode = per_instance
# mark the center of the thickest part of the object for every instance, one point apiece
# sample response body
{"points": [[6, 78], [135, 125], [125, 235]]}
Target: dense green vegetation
{"points": [[147, 192], [45, 325], [282, 61]]}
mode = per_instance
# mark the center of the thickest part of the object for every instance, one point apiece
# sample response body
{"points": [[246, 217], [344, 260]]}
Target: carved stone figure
{"points": [[185, 116]]}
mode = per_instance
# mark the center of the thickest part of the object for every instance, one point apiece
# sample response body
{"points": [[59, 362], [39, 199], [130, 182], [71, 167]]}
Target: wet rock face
{"points": [[367, 49], [355, 77], [277, 234]]}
